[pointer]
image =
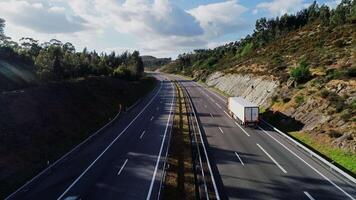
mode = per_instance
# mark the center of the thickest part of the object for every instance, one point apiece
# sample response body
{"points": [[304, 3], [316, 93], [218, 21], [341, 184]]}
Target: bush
{"points": [[286, 99], [334, 134], [346, 115], [351, 72], [324, 93], [335, 74], [336, 101], [301, 74], [122, 72], [299, 100]]}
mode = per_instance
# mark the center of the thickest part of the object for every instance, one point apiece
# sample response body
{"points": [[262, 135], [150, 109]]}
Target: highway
{"points": [[251, 163], [122, 161]]}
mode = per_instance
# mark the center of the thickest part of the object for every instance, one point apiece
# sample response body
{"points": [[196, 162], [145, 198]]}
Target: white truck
{"points": [[243, 111]]}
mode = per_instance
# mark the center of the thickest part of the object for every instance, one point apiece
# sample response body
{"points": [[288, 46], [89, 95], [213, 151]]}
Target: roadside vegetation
{"points": [[52, 97], [312, 56], [179, 182]]}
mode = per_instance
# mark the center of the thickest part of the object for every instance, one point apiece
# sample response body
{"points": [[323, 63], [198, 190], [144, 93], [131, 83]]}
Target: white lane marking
{"points": [[322, 175], [160, 150], [275, 162], [211, 115], [221, 130], [102, 153], [218, 105], [243, 130], [152, 118], [239, 158], [227, 114], [157, 108], [205, 106], [143, 133], [308, 195], [122, 167]]}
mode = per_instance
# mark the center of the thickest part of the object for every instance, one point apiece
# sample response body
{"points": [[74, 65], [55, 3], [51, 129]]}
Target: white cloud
{"points": [[280, 7], [39, 17], [333, 3], [220, 18], [157, 26]]}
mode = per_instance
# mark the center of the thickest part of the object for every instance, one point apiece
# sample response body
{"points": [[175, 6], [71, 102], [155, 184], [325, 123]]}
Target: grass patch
{"points": [[342, 157]]}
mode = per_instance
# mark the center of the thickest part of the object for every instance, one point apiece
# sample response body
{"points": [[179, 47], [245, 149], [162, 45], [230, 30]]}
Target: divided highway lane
{"points": [[258, 163], [124, 161]]}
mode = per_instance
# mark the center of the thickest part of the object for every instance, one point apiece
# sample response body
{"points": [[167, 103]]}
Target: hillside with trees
{"points": [[152, 63], [312, 56], [52, 97], [29, 62]]}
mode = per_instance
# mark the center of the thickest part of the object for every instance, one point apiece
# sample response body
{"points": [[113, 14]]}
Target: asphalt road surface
{"points": [[257, 163], [123, 161]]}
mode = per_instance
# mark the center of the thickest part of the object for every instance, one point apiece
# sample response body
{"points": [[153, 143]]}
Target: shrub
{"points": [[122, 72], [334, 134], [301, 74], [299, 100], [335, 74], [274, 98], [346, 115], [324, 93], [286, 99], [351, 72], [336, 101]]}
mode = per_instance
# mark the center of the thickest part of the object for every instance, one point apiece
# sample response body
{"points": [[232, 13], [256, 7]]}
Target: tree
{"points": [[2, 26], [324, 15], [136, 65], [301, 74]]}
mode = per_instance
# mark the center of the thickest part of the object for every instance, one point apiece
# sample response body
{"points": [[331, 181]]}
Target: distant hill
{"points": [[153, 62]]}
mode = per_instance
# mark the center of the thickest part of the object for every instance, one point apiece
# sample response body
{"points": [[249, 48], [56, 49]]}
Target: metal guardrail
{"points": [[313, 154], [209, 189]]}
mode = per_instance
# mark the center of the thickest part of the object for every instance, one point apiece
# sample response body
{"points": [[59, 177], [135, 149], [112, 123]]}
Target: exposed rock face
{"points": [[253, 88]]}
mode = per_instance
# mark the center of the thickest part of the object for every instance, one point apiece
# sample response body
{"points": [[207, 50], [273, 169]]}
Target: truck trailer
{"points": [[243, 111]]}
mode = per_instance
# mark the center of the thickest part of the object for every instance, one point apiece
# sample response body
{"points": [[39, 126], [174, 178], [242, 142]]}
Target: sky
{"points": [[162, 28]]}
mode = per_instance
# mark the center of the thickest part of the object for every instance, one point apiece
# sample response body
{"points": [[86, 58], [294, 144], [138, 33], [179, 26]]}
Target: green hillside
{"points": [[312, 55]]}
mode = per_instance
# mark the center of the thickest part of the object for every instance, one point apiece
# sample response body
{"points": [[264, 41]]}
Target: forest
{"points": [[265, 32], [56, 61]]}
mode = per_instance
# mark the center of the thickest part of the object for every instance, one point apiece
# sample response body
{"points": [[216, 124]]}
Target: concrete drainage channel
{"points": [[188, 173]]}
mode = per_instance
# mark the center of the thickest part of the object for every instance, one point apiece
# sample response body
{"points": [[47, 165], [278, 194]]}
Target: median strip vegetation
{"points": [[179, 181]]}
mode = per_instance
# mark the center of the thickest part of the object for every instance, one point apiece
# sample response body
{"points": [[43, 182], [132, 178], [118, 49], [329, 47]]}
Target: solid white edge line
{"points": [[152, 118], [102, 153], [122, 167], [221, 130], [211, 115], [65, 155], [200, 161], [207, 157], [275, 162], [243, 130], [161, 148], [218, 105], [227, 114], [308, 195], [143, 133], [322, 175], [239, 158]]}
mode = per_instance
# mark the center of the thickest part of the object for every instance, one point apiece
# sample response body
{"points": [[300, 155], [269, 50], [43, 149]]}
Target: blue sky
{"points": [[162, 28]]}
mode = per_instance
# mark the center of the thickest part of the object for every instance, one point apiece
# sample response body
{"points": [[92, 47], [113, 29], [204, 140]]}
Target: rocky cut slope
{"points": [[305, 79]]}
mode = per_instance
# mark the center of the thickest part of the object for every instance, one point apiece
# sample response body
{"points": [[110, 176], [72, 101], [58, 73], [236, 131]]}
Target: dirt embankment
{"points": [[41, 123]]}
